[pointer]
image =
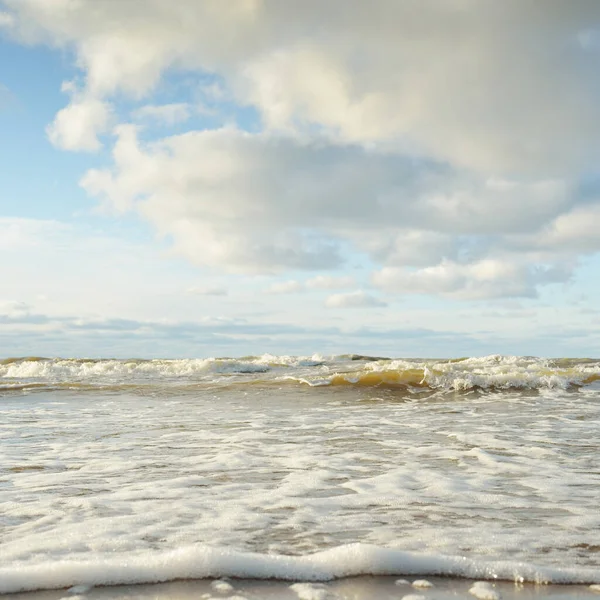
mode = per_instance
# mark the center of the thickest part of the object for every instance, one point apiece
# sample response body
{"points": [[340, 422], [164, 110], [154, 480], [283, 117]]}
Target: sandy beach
{"points": [[352, 588]]}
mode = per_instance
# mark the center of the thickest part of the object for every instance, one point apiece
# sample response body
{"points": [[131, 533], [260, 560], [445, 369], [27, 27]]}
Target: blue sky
{"points": [[208, 179]]}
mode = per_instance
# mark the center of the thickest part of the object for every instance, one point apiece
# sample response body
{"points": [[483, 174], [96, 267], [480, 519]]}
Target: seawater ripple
{"points": [[485, 373]]}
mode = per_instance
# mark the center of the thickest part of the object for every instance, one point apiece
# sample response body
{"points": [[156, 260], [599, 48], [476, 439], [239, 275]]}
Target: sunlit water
{"points": [[101, 466]]}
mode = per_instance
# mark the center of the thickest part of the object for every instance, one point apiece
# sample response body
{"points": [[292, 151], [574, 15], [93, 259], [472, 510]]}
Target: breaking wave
{"points": [[486, 373], [200, 562]]}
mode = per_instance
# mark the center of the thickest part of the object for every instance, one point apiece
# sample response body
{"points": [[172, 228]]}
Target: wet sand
{"points": [[352, 588]]}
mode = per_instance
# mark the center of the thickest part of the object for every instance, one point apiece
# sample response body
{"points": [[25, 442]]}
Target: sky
{"points": [[206, 178]]}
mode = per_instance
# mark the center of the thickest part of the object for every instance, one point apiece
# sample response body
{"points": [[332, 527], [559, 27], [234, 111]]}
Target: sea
{"points": [[303, 469]]}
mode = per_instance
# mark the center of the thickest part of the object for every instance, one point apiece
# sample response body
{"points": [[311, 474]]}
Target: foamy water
{"points": [[490, 372], [298, 468]]}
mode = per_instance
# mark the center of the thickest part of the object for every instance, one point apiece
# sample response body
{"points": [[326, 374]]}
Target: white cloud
{"points": [[487, 278], [323, 282], [285, 287], [77, 126], [263, 203], [451, 135], [502, 88], [239, 201], [14, 308], [169, 114], [357, 299], [575, 231], [329, 282], [18, 234]]}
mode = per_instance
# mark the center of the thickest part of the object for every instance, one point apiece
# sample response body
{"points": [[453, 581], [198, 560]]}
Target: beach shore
{"points": [[351, 588]]}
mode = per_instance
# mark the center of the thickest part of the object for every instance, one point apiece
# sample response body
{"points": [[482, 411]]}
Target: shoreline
{"points": [[364, 587]]}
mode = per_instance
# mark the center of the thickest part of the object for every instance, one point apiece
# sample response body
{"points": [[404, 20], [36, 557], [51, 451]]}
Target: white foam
{"points": [[484, 591], [287, 470], [221, 586], [312, 591], [200, 562], [422, 583], [497, 372]]}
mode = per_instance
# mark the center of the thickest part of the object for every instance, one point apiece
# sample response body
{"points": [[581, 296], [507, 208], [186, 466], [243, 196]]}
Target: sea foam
{"points": [[200, 562], [124, 486]]}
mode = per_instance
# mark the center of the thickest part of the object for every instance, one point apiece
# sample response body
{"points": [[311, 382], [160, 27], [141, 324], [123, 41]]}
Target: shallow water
{"points": [[125, 469]]}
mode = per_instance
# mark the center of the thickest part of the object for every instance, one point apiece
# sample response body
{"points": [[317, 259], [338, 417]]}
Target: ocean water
{"points": [[299, 468]]}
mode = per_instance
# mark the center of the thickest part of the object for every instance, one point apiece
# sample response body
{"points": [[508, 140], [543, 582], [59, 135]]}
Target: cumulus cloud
{"points": [[357, 299], [489, 86], [443, 140], [77, 126], [244, 202], [263, 203]]}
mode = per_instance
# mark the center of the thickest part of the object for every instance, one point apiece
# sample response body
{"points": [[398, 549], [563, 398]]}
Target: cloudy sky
{"points": [[210, 177]]}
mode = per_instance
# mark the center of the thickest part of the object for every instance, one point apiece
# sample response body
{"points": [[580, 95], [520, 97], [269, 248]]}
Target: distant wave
{"points": [[493, 372]]}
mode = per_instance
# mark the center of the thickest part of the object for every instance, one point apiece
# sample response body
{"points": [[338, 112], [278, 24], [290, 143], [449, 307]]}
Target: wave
{"points": [[201, 562], [465, 374]]}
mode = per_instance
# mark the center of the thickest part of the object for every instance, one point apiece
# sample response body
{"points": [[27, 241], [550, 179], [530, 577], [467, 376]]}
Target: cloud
{"points": [[322, 282], [329, 282], [6, 19], [414, 247], [240, 201], [572, 232], [73, 335], [168, 114], [475, 94], [488, 278], [18, 234], [263, 203], [77, 126], [358, 299], [14, 308], [285, 287], [20, 313], [442, 142]]}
